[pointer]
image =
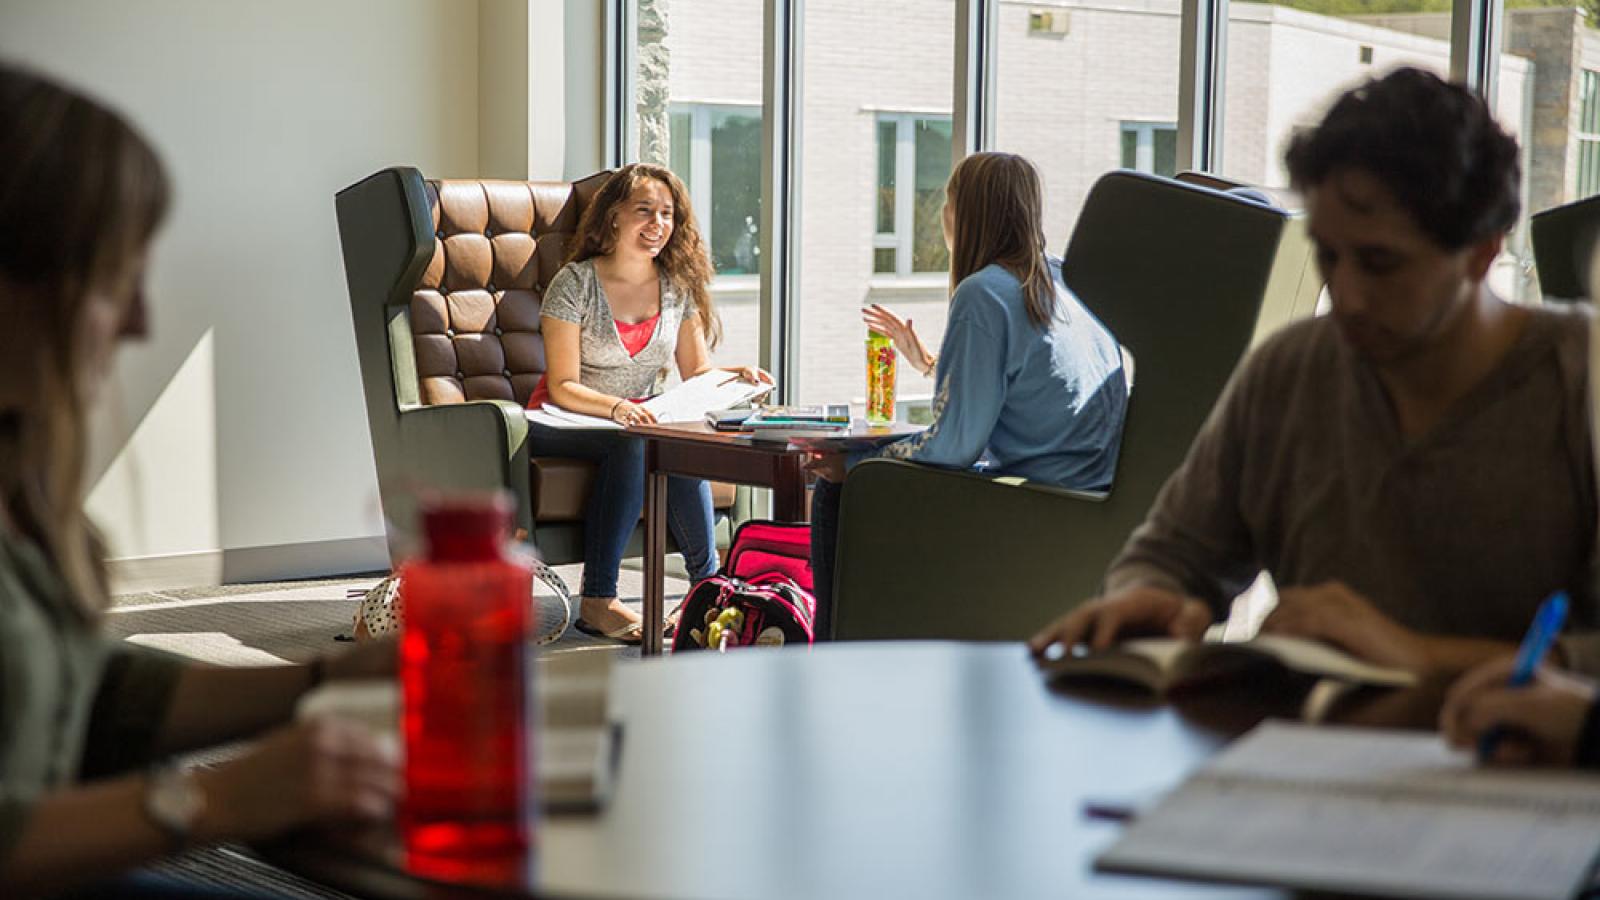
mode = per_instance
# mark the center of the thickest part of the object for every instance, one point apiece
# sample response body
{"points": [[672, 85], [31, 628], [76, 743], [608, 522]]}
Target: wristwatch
{"points": [[174, 801]]}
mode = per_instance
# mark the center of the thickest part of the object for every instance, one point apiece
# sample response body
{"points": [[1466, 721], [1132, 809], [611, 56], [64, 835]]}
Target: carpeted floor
{"points": [[267, 624], [262, 624]]}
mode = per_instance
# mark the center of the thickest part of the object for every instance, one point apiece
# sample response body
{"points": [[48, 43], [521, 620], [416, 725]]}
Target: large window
{"points": [[913, 165], [1081, 89], [1286, 65], [697, 87], [716, 150], [875, 135], [1587, 136], [1550, 97]]}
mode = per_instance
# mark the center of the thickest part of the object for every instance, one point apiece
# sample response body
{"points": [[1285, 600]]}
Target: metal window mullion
{"points": [[972, 125], [1475, 39], [621, 118], [780, 191], [1202, 64], [905, 173]]}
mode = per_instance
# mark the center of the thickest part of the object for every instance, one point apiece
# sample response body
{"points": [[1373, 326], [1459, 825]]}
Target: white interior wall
{"points": [[237, 435], [504, 72]]}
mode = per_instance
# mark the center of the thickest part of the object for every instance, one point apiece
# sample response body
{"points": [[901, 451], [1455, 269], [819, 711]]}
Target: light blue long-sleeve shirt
{"points": [[1044, 404]]}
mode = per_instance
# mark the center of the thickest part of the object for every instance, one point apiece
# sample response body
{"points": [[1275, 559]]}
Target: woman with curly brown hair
{"points": [[633, 300]]}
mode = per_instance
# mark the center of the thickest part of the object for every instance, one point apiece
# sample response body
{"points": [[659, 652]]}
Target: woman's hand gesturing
{"points": [[905, 338]]}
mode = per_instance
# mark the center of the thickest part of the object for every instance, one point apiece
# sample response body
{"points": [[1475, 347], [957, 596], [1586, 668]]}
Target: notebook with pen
{"points": [[1368, 811]]}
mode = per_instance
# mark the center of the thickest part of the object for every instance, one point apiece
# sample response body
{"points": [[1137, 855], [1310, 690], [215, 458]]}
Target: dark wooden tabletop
{"points": [[701, 433], [923, 770]]}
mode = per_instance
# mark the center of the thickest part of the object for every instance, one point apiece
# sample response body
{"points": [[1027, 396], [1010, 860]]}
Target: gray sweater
{"points": [[1301, 470]]}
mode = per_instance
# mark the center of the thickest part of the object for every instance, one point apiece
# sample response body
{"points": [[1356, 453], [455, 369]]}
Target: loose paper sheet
{"points": [[686, 402], [1370, 811]]}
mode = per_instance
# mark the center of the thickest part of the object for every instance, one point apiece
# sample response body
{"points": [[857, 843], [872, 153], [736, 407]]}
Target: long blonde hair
{"points": [[684, 259], [81, 194], [1000, 219]]}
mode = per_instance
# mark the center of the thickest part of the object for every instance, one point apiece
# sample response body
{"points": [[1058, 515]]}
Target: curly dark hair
{"points": [[684, 259], [1433, 144]]}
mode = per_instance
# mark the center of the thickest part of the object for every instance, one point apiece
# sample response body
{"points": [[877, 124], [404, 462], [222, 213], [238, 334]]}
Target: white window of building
{"points": [[716, 150], [1587, 134], [913, 166], [1150, 147]]}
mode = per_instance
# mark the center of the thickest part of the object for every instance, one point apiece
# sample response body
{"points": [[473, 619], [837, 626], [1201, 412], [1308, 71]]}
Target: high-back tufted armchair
{"points": [[446, 280]]}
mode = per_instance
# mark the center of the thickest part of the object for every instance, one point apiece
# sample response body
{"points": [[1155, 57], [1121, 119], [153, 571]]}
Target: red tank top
{"points": [[635, 337]]}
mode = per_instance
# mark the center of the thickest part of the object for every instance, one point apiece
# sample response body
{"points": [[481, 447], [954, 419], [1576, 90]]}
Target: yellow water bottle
{"points": [[880, 378]]}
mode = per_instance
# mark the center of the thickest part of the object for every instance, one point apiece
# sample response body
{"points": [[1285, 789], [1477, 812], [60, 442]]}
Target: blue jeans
{"points": [[824, 547], [617, 498]]}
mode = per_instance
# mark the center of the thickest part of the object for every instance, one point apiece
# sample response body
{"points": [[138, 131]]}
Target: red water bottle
{"points": [[466, 688]]}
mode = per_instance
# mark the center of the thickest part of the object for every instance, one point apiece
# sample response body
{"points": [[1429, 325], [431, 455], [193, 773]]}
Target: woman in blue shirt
{"points": [[1027, 382]]}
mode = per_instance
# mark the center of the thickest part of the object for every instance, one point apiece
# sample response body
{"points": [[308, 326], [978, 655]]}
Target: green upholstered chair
{"points": [[1564, 239], [445, 282], [1178, 273]]}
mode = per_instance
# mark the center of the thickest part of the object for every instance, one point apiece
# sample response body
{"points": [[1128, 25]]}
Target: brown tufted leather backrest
{"points": [[475, 311]]}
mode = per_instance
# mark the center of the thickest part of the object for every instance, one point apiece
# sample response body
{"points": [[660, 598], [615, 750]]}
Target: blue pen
{"points": [[1542, 633]]}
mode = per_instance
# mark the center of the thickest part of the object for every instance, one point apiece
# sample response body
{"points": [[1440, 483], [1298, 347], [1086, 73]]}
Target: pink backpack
{"points": [[760, 597]]}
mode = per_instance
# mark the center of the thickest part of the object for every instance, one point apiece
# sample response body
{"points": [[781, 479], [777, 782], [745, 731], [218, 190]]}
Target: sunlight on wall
{"points": [[159, 494]]}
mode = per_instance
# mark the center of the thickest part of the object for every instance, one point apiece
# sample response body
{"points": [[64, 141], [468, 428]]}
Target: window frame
{"points": [[1144, 131], [1587, 178], [1476, 38], [903, 238], [701, 177]]}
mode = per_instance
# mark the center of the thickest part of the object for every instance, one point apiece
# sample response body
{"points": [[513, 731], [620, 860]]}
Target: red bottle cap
{"points": [[462, 527]]}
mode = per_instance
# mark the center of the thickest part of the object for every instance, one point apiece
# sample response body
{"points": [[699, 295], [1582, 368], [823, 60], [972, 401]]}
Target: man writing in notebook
{"points": [[1413, 469]]}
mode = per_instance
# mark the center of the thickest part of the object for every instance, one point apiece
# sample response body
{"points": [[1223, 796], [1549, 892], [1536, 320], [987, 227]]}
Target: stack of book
{"points": [[785, 423]]}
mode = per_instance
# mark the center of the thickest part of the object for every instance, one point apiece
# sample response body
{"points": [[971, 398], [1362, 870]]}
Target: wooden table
{"points": [[862, 770], [699, 451]]}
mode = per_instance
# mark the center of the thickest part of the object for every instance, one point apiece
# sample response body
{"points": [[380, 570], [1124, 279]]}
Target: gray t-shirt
{"points": [[575, 295], [1302, 470]]}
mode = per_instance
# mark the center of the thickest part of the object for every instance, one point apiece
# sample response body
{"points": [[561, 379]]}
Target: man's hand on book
{"points": [[1334, 613], [1133, 611], [1540, 722]]}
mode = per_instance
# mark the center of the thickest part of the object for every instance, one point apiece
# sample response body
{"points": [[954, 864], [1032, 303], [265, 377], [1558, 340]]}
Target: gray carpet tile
{"points": [[229, 590], [293, 621]]}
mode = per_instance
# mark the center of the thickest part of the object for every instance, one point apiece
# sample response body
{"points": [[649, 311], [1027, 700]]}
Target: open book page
{"points": [[1162, 663], [691, 400], [1371, 811], [1317, 658]]}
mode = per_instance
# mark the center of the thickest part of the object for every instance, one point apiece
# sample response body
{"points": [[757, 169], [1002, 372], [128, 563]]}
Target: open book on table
{"points": [[1162, 664], [576, 752], [1368, 811], [688, 401]]}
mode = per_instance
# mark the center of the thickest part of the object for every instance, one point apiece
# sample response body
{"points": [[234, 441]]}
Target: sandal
{"points": [[669, 625], [631, 634]]}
